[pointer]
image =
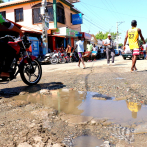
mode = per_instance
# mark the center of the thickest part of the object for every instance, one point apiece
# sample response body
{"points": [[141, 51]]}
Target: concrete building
{"points": [[27, 13]]}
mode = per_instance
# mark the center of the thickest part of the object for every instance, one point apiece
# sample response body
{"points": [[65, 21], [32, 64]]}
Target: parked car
{"points": [[129, 55], [117, 53]]}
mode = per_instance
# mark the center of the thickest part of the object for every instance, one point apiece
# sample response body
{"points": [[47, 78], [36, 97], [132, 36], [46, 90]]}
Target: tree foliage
{"points": [[101, 35], [120, 45], [141, 42], [1, 1]]}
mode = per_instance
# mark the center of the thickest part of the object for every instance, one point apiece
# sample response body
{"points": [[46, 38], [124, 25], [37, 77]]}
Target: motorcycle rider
{"points": [[7, 53]]}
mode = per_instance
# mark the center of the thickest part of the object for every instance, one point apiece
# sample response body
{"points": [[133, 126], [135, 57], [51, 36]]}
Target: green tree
{"points": [[141, 42], [120, 45], [101, 35], [1, 1]]}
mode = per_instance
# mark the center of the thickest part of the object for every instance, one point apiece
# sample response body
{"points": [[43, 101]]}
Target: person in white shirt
{"points": [[80, 49], [95, 48], [127, 50]]}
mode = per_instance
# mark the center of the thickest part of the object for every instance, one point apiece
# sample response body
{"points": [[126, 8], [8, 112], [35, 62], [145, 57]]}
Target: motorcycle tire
{"points": [[64, 60], [71, 60], [67, 60], [24, 69], [54, 60]]}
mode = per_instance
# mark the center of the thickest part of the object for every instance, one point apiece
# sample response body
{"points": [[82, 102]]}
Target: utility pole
{"points": [[55, 13], [45, 24], [117, 24]]}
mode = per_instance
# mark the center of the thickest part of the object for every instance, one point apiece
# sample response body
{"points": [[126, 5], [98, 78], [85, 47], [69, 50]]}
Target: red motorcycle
{"points": [[27, 65]]}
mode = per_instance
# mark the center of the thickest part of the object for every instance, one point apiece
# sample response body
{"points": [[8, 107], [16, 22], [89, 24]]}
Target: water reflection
{"points": [[134, 108], [88, 104]]}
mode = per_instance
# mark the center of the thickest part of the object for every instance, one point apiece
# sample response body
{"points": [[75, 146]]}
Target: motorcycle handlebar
{"points": [[13, 37]]}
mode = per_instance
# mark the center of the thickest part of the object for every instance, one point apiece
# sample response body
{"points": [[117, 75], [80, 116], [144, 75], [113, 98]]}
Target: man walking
{"points": [[80, 48], [132, 35], [109, 49]]}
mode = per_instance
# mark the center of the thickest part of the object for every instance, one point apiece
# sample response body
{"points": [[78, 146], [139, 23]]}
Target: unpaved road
{"points": [[25, 123]]}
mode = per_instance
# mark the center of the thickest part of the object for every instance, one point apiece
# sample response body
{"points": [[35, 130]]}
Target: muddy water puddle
{"points": [[87, 141], [90, 104]]}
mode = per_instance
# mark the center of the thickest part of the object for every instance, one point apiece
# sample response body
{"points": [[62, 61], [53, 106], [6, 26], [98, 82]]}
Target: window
{"points": [[3, 13], [60, 13], [18, 15], [36, 12], [36, 16], [50, 13]]}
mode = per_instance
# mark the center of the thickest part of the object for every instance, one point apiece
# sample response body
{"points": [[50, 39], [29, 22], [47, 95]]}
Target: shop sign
{"points": [[72, 33], [87, 36], [77, 19], [65, 32], [60, 31]]}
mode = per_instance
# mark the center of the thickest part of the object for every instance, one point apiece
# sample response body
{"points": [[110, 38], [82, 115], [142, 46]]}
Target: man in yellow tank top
{"points": [[132, 35]]}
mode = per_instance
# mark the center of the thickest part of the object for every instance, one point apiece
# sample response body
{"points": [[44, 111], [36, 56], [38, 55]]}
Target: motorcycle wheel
{"points": [[67, 60], [64, 60], [71, 60], [31, 77], [54, 60]]}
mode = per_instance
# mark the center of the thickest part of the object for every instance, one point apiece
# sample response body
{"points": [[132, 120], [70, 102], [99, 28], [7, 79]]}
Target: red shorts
{"points": [[135, 51]]}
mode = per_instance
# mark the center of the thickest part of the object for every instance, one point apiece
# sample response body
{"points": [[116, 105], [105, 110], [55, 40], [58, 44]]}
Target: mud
{"points": [[115, 112], [89, 104]]}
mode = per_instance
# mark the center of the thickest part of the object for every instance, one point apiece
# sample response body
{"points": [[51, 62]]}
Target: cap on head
{"points": [[109, 35], [133, 23]]}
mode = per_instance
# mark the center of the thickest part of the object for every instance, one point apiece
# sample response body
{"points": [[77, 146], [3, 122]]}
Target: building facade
{"points": [[27, 14]]}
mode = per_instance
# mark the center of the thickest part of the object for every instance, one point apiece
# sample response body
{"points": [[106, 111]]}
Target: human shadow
{"points": [[141, 71], [10, 92]]}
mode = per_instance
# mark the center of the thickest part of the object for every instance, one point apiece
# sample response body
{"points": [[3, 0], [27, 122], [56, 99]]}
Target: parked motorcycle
{"points": [[50, 58], [62, 57], [73, 57], [27, 65]]}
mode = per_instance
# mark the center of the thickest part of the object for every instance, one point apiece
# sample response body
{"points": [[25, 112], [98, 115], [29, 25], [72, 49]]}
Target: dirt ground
{"points": [[24, 123]]}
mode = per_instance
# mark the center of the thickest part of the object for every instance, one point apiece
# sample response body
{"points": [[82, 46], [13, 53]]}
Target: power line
{"points": [[114, 7], [95, 25], [95, 16], [107, 7], [101, 19], [116, 14], [114, 11]]}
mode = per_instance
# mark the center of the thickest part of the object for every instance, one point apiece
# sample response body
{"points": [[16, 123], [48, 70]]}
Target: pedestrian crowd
{"points": [[133, 47]]}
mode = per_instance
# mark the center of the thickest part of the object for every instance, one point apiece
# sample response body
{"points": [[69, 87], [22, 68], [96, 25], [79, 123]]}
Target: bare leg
{"points": [[79, 62], [135, 58], [133, 63], [82, 61]]}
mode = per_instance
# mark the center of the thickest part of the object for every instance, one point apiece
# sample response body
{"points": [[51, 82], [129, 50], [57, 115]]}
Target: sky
{"points": [[102, 15]]}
